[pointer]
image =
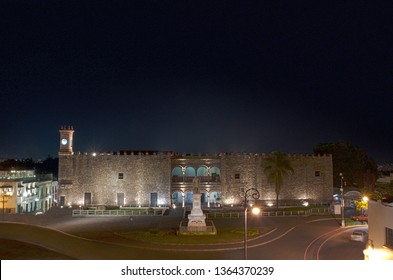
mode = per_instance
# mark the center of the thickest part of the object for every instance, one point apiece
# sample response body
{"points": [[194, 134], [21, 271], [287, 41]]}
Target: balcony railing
{"points": [[190, 179]]}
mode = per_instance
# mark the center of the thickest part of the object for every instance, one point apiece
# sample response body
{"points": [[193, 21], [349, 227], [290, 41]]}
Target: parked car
{"points": [[359, 235]]}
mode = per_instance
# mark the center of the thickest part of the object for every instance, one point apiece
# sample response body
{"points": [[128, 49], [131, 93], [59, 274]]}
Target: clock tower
{"points": [[66, 133]]}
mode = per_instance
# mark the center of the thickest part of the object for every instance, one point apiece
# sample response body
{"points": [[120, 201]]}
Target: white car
{"points": [[359, 235]]}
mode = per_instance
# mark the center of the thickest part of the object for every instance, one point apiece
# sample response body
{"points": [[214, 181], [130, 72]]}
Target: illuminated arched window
{"points": [[202, 171], [177, 171], [203, 174], [215, 174], [190, 171], [190, 174], [177, 175]]}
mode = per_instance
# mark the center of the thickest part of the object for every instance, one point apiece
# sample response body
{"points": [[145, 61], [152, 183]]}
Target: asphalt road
{"points": [[293, 238]]}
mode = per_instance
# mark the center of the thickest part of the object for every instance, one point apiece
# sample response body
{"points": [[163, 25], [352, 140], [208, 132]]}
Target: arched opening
{"points": [[215, 199], [177, 174], [188, 198], [203, 198], [215, 174], [189, 174], [203, 174], [177, 198]]}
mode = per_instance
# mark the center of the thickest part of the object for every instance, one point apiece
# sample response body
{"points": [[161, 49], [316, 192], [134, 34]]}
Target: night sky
{"points": [[196, 76]]}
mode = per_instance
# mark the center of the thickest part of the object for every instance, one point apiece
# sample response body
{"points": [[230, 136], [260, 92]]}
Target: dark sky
{"points": [[196, 76]]}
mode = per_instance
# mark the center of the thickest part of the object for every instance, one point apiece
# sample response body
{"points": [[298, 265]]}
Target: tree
{"points": [[49, 165], [359, 169], [361, 205], [383, 193], [277, 167]]}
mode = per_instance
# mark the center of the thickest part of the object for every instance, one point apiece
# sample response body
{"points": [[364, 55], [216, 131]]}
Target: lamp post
{"points": [[254, 193], [342, 201]]}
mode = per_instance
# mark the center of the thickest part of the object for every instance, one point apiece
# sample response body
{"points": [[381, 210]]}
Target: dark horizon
{"points": [[193, 77]]}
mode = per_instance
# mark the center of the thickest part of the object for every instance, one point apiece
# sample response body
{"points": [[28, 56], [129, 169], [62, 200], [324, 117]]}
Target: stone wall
{"points": [[312, 179], [144, 174], [238, 172], [99, 175]]}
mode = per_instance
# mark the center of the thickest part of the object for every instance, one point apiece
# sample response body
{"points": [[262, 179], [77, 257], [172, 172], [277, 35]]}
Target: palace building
{"points": [[153, 178]]}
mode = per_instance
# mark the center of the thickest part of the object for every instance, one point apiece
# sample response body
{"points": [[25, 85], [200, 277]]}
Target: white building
{"points": [[380, 230], [23, 191]]}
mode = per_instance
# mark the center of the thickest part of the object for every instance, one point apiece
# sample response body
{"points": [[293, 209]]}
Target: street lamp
{"points": [[342, 201], [254, 193]]}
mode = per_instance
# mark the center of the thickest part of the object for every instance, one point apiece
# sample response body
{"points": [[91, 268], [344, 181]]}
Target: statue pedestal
{"points": [[196, 219]]}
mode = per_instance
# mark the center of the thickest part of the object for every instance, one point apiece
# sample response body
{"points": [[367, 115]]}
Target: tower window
{"points": [[120, 176], [317, 173], [237, 175]]}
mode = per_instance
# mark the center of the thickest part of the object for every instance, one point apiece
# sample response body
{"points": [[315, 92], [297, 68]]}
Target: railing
{"points": [[224, 215], [150, 211], [234, 215], [176, 179], [190, 179]]}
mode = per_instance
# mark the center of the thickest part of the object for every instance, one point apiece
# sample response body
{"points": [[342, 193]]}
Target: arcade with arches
{"points": [[209, 183]]}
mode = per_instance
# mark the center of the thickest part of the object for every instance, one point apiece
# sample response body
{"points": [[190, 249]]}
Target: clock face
{"points": [[64, 141]]}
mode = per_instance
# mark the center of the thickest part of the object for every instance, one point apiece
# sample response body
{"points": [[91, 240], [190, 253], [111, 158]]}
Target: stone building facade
{"points": [[151, 178]]}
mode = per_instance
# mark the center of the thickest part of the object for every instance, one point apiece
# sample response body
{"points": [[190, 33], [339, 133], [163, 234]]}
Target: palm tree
{"points": [[276, 167]]}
